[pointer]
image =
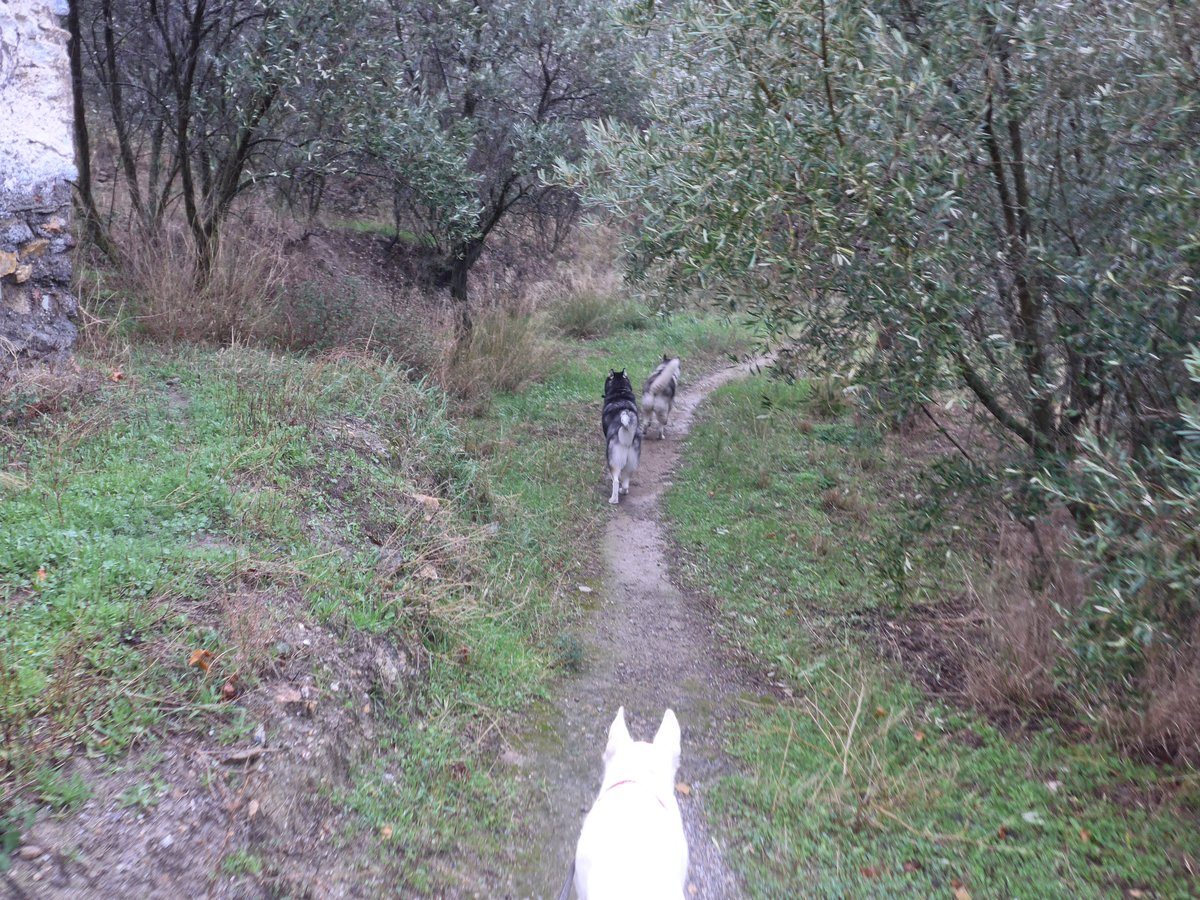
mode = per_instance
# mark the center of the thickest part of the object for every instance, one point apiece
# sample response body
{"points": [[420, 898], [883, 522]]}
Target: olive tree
{"points": [[994, 195], [999, 198], [206, 98], [470, 105]]}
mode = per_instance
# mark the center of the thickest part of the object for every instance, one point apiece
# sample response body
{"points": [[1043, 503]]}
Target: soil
{"points": [[649, 646]]}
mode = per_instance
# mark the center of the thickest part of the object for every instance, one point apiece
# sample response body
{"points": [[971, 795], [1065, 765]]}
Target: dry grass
{"points": [[1167, 727], [1031, 585], [504, 352], [858, 775], [236, 305]]}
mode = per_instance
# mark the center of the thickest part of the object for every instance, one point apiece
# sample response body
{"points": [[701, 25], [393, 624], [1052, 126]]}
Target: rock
{"points": [[287, 695], [35, 248], [23, 272], [14, 231], [30, 851], [8, 263]]}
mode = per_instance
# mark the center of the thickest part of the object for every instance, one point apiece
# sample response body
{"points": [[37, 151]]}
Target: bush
{"points": [[353, 312], [1139, 638], [588, 314], [504, 352]]}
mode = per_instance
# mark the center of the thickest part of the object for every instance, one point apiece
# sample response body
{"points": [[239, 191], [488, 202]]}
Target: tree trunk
{"points": [[460, 267], [94, 229]]}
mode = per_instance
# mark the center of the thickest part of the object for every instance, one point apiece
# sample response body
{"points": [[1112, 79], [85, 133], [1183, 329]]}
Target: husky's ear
{"points": [[618, 735], [667, 738]]}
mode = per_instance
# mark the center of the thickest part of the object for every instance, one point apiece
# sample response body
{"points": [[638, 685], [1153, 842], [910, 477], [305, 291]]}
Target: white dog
{"points": [[632, 846]]}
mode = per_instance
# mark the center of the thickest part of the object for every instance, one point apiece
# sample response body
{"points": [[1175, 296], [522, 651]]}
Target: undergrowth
{"points": [[855, 783]]}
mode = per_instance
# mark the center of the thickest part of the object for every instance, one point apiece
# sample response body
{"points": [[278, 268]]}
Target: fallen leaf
{"points": [[431, 504], [252, 808], [116, 376], [386, 832], [246, 755], [1135, 892], [458, 769], [683, 788], [1002, 833], [463, 654], [1085, 835], [229, 689], [918, 736], [880, 712], [428, 572], [870, 872], [912, 865], [201, 658], [960, 890], [288, 694], [40, 577]]}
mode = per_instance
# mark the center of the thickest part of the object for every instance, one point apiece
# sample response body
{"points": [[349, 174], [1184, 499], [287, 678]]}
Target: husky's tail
{"points": [[628, 427]]}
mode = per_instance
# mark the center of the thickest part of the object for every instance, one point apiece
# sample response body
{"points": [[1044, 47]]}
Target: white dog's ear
{"points": [[618, 735], [667, 738]]}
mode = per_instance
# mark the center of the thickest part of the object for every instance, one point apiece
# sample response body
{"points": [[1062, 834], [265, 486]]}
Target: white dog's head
{"points": [[652, 764], [633, 843]]}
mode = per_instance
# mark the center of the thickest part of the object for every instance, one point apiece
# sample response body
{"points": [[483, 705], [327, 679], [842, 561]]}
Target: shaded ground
{"points": [[649, 646]]}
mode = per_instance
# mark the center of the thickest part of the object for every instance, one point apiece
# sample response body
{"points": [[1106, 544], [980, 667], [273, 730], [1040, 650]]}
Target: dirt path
{"points": [[648, 647]]}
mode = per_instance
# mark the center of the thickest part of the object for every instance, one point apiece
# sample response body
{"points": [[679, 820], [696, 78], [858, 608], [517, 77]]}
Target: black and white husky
{"points": [[658, 394], [620, 422]]}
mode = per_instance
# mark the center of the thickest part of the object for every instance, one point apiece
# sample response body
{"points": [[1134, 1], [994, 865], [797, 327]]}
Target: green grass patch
{"points": [[858, 785], [155, 532]]}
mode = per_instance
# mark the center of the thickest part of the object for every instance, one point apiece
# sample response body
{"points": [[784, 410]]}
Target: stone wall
{"points": [[37, 166]]}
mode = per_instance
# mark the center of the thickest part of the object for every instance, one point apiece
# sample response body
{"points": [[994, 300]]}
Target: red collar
{"points": [[617, 784]]}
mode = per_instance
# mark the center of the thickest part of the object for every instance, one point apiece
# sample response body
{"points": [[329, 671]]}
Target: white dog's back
{"points": [[632, 845]]}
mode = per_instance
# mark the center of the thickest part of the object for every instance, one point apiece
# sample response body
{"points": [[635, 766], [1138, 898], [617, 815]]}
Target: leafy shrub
{"points": [[352, 312], [1140, 635]]}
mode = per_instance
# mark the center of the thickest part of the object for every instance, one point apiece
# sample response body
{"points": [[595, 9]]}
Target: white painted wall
{"points": [[36, 148]]}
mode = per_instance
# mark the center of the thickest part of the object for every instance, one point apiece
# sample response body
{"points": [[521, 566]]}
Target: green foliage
{"points": [[242, 862], [62, 792], [1144, 541], [997, 196], [465, 108]]}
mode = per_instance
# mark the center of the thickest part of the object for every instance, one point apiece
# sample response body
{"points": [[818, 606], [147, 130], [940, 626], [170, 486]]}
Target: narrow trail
{"points": [[649, 646]]}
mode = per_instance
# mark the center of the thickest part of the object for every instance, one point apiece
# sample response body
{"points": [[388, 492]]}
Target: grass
{"points": [[536, 448], [159, 531], [133, 521], [859, 785], [589, 314]]}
